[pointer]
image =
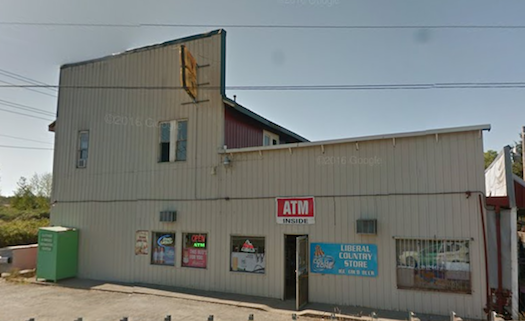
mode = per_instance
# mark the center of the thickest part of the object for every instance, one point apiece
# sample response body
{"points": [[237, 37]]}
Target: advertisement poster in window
{"points": [[344, 259], [141, 243], [163, 251], [194, 252], [194, 258], [248, 256]]}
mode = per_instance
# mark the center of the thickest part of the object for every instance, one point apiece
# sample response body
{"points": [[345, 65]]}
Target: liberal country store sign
{"points": [[344, 259], [296, 210]]}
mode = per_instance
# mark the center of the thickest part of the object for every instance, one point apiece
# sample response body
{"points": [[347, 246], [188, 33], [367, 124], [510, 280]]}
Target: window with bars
{"points": [[173, 141], [434, 265]]}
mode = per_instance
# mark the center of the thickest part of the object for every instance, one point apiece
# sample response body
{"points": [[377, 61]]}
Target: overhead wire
{"points": [[19, 77], [22, 114], [26, 139], [251, 26], [24, 147], [420, 86], [29, 88], [26, 108]]}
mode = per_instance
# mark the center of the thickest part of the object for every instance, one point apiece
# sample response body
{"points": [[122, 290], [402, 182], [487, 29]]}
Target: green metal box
{"points": [[57, 253]]}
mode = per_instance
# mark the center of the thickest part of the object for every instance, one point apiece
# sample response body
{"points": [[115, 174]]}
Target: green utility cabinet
{"points": [[57, 253]]}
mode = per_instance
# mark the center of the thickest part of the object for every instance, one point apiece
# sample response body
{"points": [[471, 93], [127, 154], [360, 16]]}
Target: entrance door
{"points": [[301, 294]]}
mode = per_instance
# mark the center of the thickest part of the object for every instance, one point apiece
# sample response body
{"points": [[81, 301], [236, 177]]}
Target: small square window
{"points": [[270, 138]]}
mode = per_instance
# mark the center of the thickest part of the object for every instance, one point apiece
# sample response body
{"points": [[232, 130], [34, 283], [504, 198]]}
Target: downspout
{"points": [[487, 305], [500, 297]]}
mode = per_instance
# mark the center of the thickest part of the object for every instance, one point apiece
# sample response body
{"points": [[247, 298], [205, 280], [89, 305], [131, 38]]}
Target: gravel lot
{"points": [[19, 302]]}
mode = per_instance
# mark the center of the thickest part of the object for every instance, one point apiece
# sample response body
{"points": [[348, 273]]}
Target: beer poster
{"points": [[141, 243]]}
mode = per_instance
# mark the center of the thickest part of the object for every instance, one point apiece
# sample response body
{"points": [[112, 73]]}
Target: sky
{"points": [[283, 56]]}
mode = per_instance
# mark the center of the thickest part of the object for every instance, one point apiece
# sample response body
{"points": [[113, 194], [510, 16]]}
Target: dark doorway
{"points": [[290, 248], [296, 269]]}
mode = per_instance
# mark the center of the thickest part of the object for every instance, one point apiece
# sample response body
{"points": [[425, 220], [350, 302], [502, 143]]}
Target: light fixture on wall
{"points": [[227, 161]]}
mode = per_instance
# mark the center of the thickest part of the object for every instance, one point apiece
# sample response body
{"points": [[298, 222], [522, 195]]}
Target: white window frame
{"points": [[174, 130], [79, 150], [271, 136]]}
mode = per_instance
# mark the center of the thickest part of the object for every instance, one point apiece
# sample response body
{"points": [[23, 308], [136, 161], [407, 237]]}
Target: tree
{"points": [[517, 158], [490, 156], [24, 199], [33, 195], [41, 185]]}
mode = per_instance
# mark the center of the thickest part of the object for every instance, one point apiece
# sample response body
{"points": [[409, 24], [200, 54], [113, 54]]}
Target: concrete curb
{"points": [[130, 289]]}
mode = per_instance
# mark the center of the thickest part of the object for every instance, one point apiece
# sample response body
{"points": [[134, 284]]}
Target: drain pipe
{"points": [[488, 304], [500, 296]]}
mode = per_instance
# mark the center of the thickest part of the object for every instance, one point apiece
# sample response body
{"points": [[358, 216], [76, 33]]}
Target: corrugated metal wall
{"points": [[103, 200], [124, 189], [454, 163], [241, 131]]}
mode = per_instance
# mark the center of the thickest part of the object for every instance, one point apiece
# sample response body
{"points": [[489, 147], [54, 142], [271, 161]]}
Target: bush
{"points": [[20, 232], [11, 214]]}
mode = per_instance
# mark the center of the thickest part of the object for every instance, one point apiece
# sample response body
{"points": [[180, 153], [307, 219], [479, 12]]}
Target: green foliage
{"points": [[18, 232], [490, 156], [11, 214], [29, 196], [517, 159], [24, 213]]}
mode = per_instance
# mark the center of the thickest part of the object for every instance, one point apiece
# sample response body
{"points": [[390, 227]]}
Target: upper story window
{"points": [[270, 138], [82, 149], [173, 141]]}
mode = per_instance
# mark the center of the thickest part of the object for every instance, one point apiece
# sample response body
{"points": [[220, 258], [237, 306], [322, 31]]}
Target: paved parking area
{"points": [[19, 302]]}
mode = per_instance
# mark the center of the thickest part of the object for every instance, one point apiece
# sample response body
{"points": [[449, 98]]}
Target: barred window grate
{"points": [[434, 265]]}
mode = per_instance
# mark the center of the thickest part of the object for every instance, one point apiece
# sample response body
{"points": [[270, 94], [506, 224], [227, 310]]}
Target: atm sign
{"points": [[297, 210]]}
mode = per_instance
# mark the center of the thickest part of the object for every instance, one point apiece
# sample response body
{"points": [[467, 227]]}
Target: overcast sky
{"points": [[261, 56]]}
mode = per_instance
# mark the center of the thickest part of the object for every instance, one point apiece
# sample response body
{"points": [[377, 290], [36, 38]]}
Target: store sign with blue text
{"points": [[344, 259]]}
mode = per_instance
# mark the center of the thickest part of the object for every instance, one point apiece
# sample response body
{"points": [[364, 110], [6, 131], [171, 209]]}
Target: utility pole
{"points": [[523, 150]]}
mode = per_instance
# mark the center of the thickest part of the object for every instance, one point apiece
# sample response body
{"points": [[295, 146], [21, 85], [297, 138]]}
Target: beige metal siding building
{"points": [[419, 187]]}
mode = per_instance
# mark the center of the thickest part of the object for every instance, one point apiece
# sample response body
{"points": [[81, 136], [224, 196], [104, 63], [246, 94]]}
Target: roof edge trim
{"points": [[362, 138], [159, 45]]}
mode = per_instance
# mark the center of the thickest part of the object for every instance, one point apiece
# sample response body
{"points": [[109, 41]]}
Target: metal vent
{"points": [[366, 226], [81, 163], [168, 216]]}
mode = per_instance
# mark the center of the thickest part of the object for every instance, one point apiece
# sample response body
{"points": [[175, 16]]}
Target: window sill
{"points": [[247, 273]]}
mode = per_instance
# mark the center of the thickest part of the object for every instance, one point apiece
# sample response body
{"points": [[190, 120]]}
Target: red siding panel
{"points": [[241, 131]]}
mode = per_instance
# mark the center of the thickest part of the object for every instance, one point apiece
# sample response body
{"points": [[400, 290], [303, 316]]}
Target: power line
{"points": [[26, 108], [420, 86], [22, 78], [335, 26], [252, 26], [29, 88], [22, 114], [26, 139], [22, 147]]}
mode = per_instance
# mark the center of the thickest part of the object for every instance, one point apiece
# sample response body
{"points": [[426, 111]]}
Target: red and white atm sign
{"points": [[297, 210]]}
